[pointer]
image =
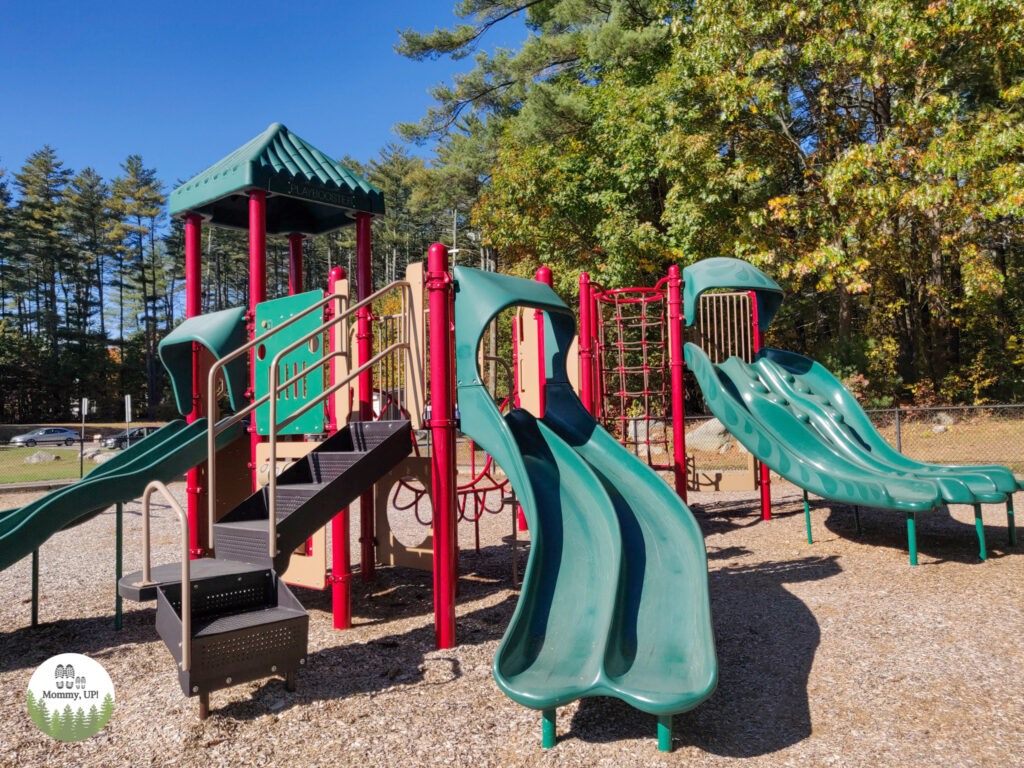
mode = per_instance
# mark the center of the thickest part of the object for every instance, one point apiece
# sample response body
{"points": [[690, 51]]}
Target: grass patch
{"points": [[13, 468]]}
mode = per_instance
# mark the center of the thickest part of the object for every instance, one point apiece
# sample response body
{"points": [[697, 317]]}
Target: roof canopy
{"points": [[733, 274], [307, 191]]}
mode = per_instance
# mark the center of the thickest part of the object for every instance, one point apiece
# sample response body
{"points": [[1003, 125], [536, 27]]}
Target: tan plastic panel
{"points": [[529, 369], [416, 327], [341, 365], [390, 551], [724, 480]]}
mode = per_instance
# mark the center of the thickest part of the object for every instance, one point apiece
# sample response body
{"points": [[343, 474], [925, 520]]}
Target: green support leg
{"points": [[548, 728], [980, 528], [119, 536], [856, 517], [912, 538], [664, 733], [807, 517], [35, 587], [1011, 529]]}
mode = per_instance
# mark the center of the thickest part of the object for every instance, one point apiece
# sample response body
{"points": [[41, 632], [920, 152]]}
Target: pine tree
{"points": [[78, 730], [6, 240], [138, 202], [67, 724], [40, 234]]}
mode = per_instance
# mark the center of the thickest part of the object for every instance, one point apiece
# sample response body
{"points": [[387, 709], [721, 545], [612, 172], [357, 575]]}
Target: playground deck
{"points": [[830, 654]]}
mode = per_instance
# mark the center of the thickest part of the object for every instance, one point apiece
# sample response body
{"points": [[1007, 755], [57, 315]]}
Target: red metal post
{"points": [[764, 473], [295, 263], [598, 380], [341, 556], [257, 294], [198, 537], [543, 275], [585, 347], [515, 360], [442, 429], [364, 351], [675, 358]]}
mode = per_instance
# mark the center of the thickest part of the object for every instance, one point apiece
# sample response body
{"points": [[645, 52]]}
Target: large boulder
{"points": [[99, 458], [41, 457], [709, 436]]}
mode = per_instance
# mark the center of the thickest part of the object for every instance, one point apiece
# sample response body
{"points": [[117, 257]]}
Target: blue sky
{"points": [[184, 83]]}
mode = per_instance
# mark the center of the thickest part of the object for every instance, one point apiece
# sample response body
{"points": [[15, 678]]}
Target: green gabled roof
{"points": [[308, 192]]}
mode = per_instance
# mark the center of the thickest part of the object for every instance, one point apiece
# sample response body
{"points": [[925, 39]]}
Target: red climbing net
{"points": [[632, 382]]}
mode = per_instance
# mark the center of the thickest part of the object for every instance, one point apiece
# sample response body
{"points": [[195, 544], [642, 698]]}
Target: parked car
{"points": [[123, 439], [46, 436]]}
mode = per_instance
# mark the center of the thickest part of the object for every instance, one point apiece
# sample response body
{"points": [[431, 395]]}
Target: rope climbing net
{"points": [[633, 396]]}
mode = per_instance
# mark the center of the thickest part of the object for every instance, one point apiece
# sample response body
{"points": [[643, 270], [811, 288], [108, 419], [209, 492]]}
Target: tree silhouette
{"points": [[106, 709], [42, 718], [67, 723], [92, 721], [78, 731]]}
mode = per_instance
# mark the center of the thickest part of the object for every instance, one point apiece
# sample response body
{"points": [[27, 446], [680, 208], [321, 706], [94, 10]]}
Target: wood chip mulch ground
{"points": [[832, 654]]}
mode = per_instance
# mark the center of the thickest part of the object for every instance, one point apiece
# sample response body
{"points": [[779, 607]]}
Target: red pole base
{"points": [[341, 576], [766, 493]]}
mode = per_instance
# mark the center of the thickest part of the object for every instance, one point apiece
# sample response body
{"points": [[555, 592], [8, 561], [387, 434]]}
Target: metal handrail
{"points": [[213, 428], [147, 572], [276, 388], [272, 492]]}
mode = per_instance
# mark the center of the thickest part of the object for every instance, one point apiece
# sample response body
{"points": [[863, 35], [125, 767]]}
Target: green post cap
{"points": [[734, 274]]}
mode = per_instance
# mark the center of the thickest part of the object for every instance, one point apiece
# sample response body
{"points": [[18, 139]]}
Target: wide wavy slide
{"points": [[614, 601]]}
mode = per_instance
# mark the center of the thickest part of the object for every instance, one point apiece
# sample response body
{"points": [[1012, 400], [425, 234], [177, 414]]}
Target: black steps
{"points": [[311, 492], [244, 627], [246, 623]]}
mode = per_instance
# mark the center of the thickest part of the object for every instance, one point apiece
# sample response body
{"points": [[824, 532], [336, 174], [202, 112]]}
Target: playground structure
{"points": [[617, 564]]}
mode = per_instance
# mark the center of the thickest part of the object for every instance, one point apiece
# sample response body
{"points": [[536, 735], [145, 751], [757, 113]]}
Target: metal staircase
{"points": [[243, 622], [312, 491]]}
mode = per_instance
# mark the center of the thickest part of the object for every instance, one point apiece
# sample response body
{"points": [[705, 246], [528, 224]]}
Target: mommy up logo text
{"points": [[70, 697]]}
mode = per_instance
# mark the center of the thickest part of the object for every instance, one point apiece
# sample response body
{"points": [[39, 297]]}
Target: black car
{"points": [[123, 439]]}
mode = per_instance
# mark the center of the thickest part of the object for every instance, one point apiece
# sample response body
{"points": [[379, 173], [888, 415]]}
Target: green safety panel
{"points": [[614, 601], [221, 333], [269, 315], [732, 274]]}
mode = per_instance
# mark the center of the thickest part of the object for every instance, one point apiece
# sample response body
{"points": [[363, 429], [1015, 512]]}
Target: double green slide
{"points": [[164, 455], [614, 601]]}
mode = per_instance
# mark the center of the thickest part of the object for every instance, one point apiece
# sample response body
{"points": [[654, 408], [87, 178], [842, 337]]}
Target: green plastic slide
{"points": [[801, 422], [164, 455], [614, 601], [835, 411]]}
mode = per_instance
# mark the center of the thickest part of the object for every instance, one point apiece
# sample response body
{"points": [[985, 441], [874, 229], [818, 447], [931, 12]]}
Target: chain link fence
{"points": [[57, 452], [981, 434]]}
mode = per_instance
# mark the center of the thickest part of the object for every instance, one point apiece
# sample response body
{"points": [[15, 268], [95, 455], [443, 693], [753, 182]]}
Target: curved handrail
{"points": [[275, 388], [147, 572], [211, 379]]}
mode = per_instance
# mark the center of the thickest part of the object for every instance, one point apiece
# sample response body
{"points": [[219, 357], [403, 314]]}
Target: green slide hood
{"points": [[221, 333], [728, 273]]}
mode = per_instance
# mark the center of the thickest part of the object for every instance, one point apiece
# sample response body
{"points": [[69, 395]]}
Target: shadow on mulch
{"points": [[940, 537], [766, 639], [396, 593]]}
